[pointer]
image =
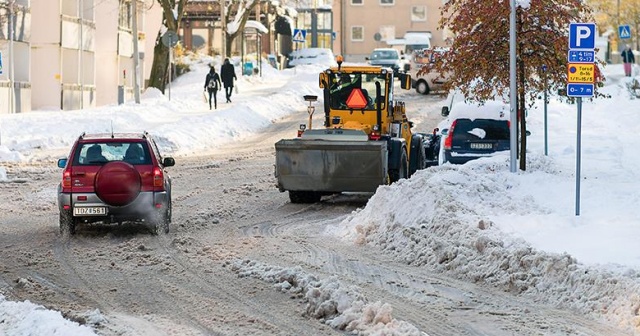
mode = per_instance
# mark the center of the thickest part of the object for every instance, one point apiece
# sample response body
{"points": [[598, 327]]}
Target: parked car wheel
{"points": [[422, 87]]}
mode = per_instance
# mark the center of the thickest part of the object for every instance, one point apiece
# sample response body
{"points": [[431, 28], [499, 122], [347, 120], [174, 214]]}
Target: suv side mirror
{"points": [[62, 163], [445, 111], [168, 162]]}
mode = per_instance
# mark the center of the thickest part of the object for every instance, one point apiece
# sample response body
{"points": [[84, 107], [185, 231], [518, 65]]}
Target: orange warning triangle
{"points": [[356, 99]]}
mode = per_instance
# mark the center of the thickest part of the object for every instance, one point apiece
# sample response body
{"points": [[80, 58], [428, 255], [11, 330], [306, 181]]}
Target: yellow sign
{"points": [[581, 73]]}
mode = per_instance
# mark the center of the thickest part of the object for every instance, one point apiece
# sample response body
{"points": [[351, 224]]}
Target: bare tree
{"points": [[236, 14], [173, 10]]}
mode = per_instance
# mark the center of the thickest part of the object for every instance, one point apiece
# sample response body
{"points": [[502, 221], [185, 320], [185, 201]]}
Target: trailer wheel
{"points": [[304, 196], [396, 174]]}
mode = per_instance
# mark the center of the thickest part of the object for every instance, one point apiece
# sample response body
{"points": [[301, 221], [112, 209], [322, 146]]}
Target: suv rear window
{"points": [[97, 153], [481, 129]]}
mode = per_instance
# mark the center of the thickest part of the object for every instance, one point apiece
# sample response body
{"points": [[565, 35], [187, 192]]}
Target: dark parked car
{"points": [[474, 134], [115, 178], [388, 57]]}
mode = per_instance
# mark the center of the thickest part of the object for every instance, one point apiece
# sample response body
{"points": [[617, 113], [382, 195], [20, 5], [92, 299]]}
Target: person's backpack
{"points": [[213, 84]]}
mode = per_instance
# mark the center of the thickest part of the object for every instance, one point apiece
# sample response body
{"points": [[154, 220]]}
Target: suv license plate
{"points": [[89, 211], [475, 145]]}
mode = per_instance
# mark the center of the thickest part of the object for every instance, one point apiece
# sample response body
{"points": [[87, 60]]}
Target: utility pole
{"points": [[80, 52], [12, 68], [136, 53]]}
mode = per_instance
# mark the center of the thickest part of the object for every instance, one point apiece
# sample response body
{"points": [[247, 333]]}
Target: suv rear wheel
{"points": [[67, 223], [160, 220]]}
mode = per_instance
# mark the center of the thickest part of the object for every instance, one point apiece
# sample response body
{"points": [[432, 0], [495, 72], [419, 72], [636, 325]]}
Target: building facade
{"points": [[369, 24], [77, 55]]}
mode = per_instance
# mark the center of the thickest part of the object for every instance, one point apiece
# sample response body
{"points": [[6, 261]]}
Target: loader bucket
{"points": [[330, 166]]}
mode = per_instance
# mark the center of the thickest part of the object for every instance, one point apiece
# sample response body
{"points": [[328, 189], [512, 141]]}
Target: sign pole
{"points": [[512, 87], [578, 158], [581, 80], [546, 146]]}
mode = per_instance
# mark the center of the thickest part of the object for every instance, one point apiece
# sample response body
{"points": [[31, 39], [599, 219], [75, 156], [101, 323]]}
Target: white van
{"points": [[431, 80]]}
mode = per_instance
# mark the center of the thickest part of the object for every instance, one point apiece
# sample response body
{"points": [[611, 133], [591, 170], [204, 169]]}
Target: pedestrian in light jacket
{"points": [[228, 74]]}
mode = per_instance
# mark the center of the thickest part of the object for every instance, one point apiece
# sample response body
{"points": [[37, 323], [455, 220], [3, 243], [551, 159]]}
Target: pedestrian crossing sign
{"points": [[624, 31], [299, 35]]}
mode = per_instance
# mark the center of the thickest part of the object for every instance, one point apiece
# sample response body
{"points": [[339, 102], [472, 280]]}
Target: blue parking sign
{"points": [[0, 62], [582, 35]]}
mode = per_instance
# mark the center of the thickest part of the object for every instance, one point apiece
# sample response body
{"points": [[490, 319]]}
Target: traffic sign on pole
{"points": [[624, 31], [582, 56], [582, 35], [299, 35]]}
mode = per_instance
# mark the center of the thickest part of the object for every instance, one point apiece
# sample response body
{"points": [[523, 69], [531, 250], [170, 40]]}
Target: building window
{"points": [[357, 33], [125, 16], [419, 13], [387, 2], [357, 2]]}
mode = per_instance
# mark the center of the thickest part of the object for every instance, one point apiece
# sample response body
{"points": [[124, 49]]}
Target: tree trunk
{"points": [[160, 66], [229, 42], [521, 118]]}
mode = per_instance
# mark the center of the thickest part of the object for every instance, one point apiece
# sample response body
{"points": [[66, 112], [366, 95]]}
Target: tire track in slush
{"points": [[322, 258], [435, 303], [145, 295]]}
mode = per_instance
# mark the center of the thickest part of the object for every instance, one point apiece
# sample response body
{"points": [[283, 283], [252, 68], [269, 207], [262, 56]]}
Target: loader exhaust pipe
{"points": [[378, 106]]}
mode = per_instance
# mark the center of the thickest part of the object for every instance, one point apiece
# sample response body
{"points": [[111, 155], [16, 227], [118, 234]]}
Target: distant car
{"points": [[429, 80], [471, 132], [115, 178], [306, 56], [387, 57]]}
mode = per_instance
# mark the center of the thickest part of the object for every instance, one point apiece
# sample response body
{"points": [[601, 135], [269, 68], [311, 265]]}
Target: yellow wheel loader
{"points": [[366, 140]]}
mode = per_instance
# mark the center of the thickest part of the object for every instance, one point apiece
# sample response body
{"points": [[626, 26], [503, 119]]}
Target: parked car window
{"points": [[481, 129], [384, 54]]}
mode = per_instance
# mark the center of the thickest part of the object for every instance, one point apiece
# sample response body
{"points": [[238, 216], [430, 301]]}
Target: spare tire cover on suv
{"points": [[117, 183]]}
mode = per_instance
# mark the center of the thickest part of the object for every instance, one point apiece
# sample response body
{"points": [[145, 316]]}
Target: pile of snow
{"points": [[329, 300], [445, 224], [26, 318]]}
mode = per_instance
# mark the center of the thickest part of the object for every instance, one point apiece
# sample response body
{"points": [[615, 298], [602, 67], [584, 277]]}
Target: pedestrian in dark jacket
{"points": [[628, 60], [212, 84], [228, 74]]}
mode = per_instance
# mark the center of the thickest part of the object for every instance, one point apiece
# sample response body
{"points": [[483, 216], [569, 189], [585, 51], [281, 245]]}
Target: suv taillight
{"points": [[158, 178], [66, 178], [449, 139]]}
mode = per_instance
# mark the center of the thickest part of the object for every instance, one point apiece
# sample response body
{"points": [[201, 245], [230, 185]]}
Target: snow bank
{"points": [[26, 318], [445, 225]]}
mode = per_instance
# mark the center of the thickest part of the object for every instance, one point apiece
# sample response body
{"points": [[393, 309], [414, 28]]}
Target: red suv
{"points": [[115, 178]]}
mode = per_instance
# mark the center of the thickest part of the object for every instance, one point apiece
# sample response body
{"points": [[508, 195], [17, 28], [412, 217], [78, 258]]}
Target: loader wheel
{"points": [[396, 174], [304, 196]]}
